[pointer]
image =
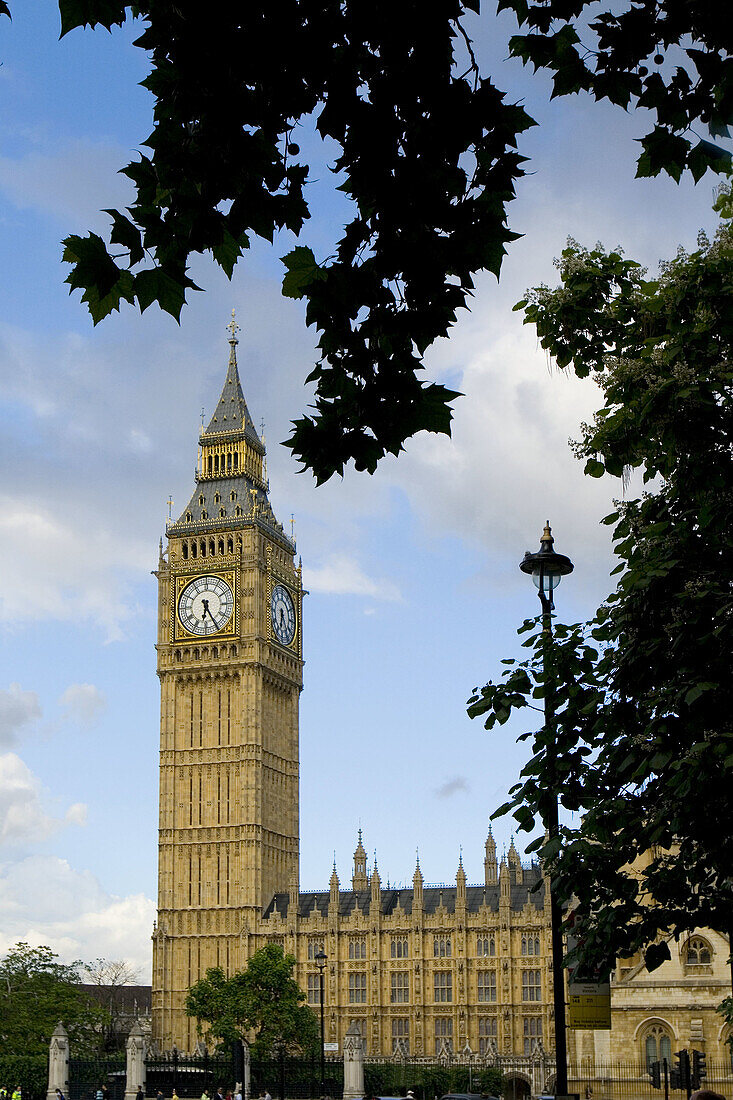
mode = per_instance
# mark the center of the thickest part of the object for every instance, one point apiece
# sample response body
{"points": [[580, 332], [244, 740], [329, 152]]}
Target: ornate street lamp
{"points": [[321, 960], [547, 568]]}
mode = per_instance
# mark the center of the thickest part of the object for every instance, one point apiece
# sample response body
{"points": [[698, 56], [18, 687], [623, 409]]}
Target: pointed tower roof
{"points": [[231, 413], [231, 479]]}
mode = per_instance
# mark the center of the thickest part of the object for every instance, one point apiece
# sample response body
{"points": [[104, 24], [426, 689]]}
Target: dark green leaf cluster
{"points": [[36, 992], [643, 733], [262, 1003], [427, 152], [427, 155], [671, 57]]}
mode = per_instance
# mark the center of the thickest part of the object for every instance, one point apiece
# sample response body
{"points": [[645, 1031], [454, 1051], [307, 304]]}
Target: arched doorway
{"points": [[516, 1087]]}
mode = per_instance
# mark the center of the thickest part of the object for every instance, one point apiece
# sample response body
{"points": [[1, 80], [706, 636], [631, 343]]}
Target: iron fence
{"points": [[595, 1079], [88, 1075], [190, 1075]]}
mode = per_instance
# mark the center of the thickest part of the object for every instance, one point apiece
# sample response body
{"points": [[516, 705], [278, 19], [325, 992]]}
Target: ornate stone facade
{"points": [[430, 969], [654, 1015]]}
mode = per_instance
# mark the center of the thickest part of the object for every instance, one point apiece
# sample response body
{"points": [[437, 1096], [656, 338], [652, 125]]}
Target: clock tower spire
{"points": [[230, 669]]}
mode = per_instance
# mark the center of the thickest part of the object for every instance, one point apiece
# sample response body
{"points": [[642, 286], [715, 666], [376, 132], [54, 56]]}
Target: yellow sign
{"points": [[590, 1010]]}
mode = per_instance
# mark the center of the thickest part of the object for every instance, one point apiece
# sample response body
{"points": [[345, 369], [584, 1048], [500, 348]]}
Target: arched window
{"points": [[222, 512], [201, 499], [657, 1044], [233, 494], [441, 947], [209, 464], [185, 551], [212, 547], [221, 546], [194, 550], [230, 546], [697, 952], [217, 498], [530, 944], [485, 945]]}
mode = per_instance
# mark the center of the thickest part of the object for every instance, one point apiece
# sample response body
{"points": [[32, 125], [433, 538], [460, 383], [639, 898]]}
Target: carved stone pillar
{"points": [[135, 1048], [353, 1064], [58, 1062]]}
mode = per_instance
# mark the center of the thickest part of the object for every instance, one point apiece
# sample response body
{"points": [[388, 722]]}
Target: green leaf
{"points": [[302, 271], [92, 13]]}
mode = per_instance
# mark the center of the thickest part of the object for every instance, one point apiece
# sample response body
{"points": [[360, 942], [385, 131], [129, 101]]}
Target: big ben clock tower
{"points": [[230, 668]]}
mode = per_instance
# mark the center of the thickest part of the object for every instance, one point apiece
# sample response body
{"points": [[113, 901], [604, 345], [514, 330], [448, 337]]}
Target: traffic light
{"points": [[699, 1068], [680, 1075], [655, 1072]]}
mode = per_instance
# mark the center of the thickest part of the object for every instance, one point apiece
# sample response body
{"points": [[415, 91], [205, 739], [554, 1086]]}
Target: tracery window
{"points": [[358, 988], [443, 1033], [486, 981], [532, 1031], [398, 948], [443, 986], [314, 989], [486, 1032], [400, 987], [314, 946], [441, 947], [657, 1044], [357, 949], [531, 985], [485, 946], [698, 952], [400, 1035], [530, 944]]}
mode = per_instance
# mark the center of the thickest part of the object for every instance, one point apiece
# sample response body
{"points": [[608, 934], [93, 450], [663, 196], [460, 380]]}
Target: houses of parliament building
{"points": [[420, 970]]}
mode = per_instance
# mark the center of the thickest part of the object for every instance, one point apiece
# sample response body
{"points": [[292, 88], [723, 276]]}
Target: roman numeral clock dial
{"points": [[205, 605], [282, 615]]}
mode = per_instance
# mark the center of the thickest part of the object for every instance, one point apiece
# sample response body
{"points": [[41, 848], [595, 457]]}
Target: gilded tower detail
{"points": [[230, 668]]}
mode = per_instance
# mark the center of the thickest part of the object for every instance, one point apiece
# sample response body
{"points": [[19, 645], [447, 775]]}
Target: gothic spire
{"points": [[231, 413]]}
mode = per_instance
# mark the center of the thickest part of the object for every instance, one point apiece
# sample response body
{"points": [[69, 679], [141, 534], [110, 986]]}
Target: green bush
{"points": [[30, 1071]]}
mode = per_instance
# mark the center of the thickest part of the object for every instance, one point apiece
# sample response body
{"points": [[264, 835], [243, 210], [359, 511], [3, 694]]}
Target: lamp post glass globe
{"points": [[546, 568]]}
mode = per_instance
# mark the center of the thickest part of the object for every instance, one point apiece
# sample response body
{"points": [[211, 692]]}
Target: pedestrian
{"points": [[706, 1094], [267, 1095], [174, 1095], [139, 1095], [60, 1095]]}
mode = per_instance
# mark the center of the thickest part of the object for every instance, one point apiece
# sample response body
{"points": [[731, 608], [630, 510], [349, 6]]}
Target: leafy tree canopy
{"points": [[262, 1002], [36, 992], [427, 154], [644, 694]]}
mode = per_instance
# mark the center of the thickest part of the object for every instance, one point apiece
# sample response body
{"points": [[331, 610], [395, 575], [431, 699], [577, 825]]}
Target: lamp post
{"points": [[321, 959], [547, 568]]}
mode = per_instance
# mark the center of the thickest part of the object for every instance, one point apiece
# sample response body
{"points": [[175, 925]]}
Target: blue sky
{"points": [[415, 591]]}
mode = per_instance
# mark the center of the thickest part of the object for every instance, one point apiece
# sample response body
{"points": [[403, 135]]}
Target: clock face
{"points": [[205, 605], [282, 614]]}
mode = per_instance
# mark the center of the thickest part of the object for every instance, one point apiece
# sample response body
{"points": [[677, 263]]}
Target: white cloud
{"points": [[23, 816], [17, 709], [54, 568], [451, 787], [43, 900], [69, 183], [82, 703], [341, 575]]}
